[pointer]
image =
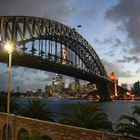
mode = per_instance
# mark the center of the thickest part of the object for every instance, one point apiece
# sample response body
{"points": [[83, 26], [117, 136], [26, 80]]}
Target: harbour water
{"points": [[114, 109]]}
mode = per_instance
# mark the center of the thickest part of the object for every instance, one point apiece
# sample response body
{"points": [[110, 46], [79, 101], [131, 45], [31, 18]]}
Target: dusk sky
{"points": [[112, 27]]}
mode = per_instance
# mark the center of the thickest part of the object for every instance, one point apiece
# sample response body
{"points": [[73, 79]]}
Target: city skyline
{"points": [[111, 27]]}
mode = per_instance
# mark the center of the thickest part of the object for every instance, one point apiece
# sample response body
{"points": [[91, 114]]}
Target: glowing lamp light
{"points": [[8, 47]]}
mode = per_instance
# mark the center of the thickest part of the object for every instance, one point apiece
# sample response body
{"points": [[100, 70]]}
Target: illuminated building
{"points": [[48, 91], [58, 83], [74, 87]]}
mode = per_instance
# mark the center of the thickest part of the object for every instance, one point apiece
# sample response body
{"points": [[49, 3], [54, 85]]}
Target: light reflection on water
{"points": [[114, 109]]}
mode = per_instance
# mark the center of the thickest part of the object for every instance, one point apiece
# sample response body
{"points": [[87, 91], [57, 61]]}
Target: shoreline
{"points": [[136, 98]]}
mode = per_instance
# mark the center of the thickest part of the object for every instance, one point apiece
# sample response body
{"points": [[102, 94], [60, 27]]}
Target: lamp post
{"points": [[9, 49]]}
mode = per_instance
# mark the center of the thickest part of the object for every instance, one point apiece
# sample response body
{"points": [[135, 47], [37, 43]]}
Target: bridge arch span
{"points": [[23, 30]]}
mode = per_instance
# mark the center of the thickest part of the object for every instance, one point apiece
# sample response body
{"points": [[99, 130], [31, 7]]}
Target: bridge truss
{"points": [[40, 43], [47, 39]]}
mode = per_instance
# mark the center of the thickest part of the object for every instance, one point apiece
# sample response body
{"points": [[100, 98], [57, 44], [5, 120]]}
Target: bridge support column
{"points": [[103, 90]]}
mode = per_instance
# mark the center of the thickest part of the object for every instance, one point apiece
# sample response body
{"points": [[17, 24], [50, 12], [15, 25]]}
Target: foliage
{"points": [[31, 137], [36, 109], [131, 125], [88, 116], [136, 88], [3, 104]]}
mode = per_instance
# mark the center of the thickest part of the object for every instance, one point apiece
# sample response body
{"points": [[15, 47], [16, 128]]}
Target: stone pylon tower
{"points": [[115, 80]]}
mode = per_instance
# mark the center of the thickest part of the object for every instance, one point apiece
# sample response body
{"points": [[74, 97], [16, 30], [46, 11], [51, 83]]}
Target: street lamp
{"points": [[9, 48]]}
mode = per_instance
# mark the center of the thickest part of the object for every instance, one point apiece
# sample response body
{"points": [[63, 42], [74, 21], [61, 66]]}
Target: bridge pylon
{"points": [[113, 87], [103, 89]]}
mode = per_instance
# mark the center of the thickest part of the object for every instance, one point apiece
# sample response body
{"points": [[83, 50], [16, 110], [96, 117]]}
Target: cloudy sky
{"points": [[112, 27]]}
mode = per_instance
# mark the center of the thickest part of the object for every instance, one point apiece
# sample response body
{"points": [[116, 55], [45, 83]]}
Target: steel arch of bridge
{"points": [[22, 29]]}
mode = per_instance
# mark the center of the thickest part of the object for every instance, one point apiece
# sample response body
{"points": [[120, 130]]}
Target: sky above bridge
{"points": [[112, 27]]}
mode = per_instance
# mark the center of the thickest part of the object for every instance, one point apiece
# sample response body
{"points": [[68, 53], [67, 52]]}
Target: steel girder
{"points": [[21, 30]]}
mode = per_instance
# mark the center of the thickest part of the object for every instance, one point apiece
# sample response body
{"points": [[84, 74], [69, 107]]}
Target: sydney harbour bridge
{"points": [[52, 46]]}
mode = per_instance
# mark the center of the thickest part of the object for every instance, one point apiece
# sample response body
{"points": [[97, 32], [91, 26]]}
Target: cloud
{"points": [[127, 14], [138, 71], [113, 41], [4, 78], [125, 50], [23, 78], [113, 67], [117, 42], [60, 11], [127, 59], [110, 53], [27, 78], [112, 45], [63, 11], [86, 14], [3, 82], [105, 41]]}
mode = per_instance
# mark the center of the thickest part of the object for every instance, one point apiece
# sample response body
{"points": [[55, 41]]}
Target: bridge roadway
{"points": [[37, 62]]}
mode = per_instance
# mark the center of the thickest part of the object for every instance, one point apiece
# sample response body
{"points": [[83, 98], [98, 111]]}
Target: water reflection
{"points": [[114, 109]]}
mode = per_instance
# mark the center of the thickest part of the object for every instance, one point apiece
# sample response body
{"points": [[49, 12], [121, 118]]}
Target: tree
{"points": [[136, 88], [131, 125], [3, 104], [36, 109], [88, 116]]}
